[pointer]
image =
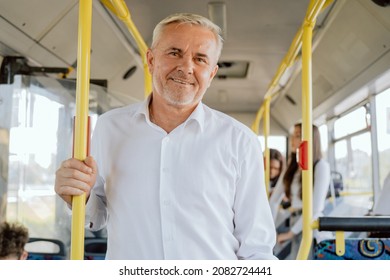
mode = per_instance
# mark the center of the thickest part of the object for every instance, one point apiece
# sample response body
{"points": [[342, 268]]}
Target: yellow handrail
{"points": [[256, 123], [119, 8], [266, 123], [302, 39], [307, 135], [290, 57], [307, 128], [81, 122]]}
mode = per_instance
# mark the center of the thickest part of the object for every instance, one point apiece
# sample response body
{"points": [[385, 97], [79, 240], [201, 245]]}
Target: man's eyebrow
{"points": [[181, 51], [174, 49], [202, 55]]}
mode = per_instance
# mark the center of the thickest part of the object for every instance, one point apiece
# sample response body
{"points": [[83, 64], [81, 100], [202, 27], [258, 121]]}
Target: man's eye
{"points": [[200, 59]]}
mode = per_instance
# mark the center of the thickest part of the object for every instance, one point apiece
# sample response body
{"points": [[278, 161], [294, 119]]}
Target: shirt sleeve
{"points": [[320, 190], [254, 226], [96, 207]]}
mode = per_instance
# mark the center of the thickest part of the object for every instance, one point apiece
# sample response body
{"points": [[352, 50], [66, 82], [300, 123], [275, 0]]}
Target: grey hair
{"points": [[189, 19]]}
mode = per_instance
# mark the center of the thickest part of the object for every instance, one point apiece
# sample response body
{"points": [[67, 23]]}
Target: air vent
{"points": [[232, 69]]}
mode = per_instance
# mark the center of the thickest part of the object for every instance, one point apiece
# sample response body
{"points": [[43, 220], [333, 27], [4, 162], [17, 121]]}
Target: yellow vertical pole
{"points": [[256, 123], [307, 133], [266, 130], [81, 122]]}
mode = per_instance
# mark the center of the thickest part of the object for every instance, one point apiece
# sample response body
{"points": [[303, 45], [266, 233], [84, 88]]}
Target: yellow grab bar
{"points": [[290, 56], [307, 128], [267, 103], [81, 122], [119, 8]]}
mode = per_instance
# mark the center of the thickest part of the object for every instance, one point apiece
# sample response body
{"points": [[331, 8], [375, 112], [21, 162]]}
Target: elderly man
{"points": [[176, 179]]}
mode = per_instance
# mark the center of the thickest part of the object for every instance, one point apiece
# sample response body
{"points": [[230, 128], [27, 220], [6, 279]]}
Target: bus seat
{"points": [[95, 248], [283, 251], [336, 184], [45, 249], [355, 249], [337, 180]]}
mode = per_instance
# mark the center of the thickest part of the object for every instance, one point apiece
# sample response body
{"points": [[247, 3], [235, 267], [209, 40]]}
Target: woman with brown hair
{"points": [[276, 167], [289, 190]]}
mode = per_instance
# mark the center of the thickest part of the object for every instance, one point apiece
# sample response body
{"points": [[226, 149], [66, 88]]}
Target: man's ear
{"points": [[150, 60], [212, 74]]}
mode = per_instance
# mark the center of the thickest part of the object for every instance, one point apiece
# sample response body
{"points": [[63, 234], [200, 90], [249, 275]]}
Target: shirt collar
{"points": [[198, 115], [144, 108]]}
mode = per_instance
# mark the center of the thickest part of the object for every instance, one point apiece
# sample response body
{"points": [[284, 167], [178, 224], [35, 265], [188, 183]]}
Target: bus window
{"points": [[361, 164], [353, 151], [275, 142], [40, 136], [33, 146], [383, 123], [350, 123]]}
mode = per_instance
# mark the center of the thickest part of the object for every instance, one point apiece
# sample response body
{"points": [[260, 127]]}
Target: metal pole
{"points": [[266, 129], [307, 133], [81, 122]]}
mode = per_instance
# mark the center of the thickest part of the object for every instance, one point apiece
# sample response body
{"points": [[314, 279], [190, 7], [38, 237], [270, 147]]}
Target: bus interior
{"points": [[350, 64]]}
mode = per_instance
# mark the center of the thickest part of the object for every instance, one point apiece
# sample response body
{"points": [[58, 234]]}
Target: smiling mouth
{"points": [[182, 82]]}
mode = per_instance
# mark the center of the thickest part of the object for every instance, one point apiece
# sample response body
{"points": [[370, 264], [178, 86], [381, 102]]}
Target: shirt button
{"points": [[169, 238], [167, 202], [165, 170]]}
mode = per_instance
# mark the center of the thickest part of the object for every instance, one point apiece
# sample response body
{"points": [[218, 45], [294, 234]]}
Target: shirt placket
{"points": [[167, 199]]}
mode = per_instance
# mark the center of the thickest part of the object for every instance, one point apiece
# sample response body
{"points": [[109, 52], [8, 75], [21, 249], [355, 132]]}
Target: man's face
{"points": [[183, 64]]}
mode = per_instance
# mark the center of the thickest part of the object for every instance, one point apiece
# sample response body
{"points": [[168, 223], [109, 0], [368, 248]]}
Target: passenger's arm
{"points": [[277, 197], [254, 227], [320, 189], [96, 208]]}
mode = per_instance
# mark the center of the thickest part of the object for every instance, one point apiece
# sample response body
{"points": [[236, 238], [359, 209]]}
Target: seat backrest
{"points": [[45, 249], [337, 180], [95, 248]]}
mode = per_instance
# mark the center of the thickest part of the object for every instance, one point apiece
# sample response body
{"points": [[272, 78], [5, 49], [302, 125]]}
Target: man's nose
{"points": [[186, 64]]}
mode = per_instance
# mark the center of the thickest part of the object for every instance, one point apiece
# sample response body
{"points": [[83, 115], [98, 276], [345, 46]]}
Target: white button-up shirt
{"points": [[195, 193]]}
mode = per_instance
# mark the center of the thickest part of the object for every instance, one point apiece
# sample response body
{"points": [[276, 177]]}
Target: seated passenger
{"points": [[13, 238], [288, 191], [276, 167]]}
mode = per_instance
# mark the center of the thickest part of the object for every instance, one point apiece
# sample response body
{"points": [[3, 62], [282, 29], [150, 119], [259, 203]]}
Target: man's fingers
{"points": [[69, 191], [75, 174], [75, 177], [74, 184], [76, 164], [91, 163]]}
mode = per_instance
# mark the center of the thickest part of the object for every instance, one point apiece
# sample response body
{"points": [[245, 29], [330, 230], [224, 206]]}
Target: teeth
{"points": [[181, 82]]}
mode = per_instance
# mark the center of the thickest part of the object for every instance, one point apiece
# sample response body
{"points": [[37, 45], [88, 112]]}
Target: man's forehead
{"points": [[170, 38], [177, 28]]}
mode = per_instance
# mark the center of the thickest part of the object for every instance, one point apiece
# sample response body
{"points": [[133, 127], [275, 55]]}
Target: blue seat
{"points": [[57, 254], [355, 249], [95, 248]]}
